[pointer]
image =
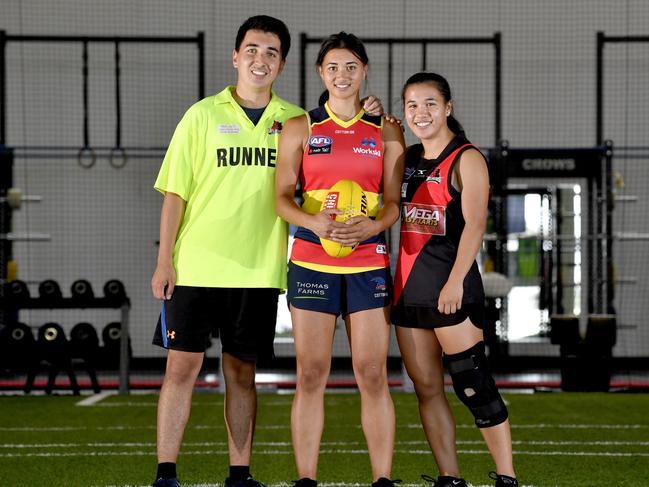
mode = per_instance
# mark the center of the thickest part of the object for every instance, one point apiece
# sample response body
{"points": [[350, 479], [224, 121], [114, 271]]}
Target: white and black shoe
{"points": [[445, 481]]}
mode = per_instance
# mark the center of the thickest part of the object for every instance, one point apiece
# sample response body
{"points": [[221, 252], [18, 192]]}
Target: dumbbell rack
{"points": [[124, 305]]}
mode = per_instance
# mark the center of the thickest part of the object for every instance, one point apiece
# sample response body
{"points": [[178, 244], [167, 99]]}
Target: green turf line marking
{"points": [[94, 399]]}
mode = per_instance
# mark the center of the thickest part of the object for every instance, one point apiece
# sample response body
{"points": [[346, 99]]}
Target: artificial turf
{"points": [[560, 439]]}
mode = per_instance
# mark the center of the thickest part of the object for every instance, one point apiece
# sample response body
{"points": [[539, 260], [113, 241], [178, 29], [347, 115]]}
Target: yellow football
{"points": [[347, 196]]}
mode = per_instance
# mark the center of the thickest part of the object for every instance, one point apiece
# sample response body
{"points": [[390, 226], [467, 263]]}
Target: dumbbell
{"points": [[601, 332], [564, 330], [82, 291], [84, 341], [53, 343], [17, 344], [112, 336], [49, 290], [16, 291], [114, 291]]}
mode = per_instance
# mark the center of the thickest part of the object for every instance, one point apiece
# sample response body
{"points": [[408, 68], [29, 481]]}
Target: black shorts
{"points": [[428, 317], [244, 319]]}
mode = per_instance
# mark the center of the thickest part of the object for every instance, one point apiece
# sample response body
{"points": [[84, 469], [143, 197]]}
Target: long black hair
{"points": [[445, 90], [342, 40]]}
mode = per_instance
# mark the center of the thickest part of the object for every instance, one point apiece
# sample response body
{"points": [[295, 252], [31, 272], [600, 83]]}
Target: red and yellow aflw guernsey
{"points": [[336, 150]]}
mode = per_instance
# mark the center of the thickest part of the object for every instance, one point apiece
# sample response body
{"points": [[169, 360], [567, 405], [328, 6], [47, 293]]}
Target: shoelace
{"points": [[494, 476], [395, 481]]}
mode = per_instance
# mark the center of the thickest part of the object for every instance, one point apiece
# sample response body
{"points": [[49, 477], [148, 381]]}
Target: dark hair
{"points": [[342, 40], [267, 24], [443, 87], [323, 98]]}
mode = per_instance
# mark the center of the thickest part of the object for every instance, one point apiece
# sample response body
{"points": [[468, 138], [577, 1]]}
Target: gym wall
{"points": [[103, 222]]}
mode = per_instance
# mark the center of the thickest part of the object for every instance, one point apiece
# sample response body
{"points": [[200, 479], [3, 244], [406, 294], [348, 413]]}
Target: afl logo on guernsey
{"points": [[320, 144]]}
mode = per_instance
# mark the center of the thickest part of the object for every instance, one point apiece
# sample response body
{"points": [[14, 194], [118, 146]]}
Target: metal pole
{"points": [[118, 108], [200, 40], [390, 68], [599, 101], [610, 274], [86, 132], [124, 359], [498, 88], [303, 43], [424, 55], [3, 86]]}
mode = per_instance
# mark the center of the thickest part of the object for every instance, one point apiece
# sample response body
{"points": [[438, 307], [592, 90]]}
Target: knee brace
{"points": [[475, 386]]}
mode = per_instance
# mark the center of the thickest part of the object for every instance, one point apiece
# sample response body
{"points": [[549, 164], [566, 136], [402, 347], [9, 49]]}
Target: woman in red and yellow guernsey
{"points": [[333, 142], [438, 292]]}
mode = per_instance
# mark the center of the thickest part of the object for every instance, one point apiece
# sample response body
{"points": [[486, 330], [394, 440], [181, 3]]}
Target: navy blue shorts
{"points": [[338, 293], [243, 318]]}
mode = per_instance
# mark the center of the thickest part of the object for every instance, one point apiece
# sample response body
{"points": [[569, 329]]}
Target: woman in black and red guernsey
{"points": [[438, 293]]}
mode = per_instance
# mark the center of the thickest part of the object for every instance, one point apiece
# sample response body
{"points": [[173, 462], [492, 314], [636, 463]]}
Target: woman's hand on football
{"points": [[355, 230], [324, 225]]}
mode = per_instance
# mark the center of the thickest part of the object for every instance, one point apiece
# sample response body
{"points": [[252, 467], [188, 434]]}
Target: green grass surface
{"points": [[559, 439]]}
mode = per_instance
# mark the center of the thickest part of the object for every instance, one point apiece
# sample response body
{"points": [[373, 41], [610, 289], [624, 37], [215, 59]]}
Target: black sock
{"points": [[239, 472], [166, 470]]}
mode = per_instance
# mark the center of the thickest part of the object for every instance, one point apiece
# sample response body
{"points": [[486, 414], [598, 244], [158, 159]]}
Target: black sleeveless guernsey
{"points": [[431, 227]]}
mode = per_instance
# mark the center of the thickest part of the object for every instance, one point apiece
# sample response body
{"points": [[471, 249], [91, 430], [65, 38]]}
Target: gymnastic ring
{"points": [[85, 162], [113, 157]]}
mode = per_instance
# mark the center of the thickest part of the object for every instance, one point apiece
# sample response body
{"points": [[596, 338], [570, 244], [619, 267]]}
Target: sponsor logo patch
{"points": [[408, 172], [381, 249], [171, 334], [368, 142], [320, 144], [380, 287], [419, 218], [229, 128], [276, 128], [367, 148], [435, 177], [311, 288]]}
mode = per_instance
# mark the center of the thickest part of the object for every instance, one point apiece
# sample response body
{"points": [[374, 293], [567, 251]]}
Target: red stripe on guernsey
{"points": [[412, 243], [363, 256]]}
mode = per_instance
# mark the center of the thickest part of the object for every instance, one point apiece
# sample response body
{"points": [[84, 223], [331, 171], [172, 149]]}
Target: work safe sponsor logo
{"points": [[367, 148]]}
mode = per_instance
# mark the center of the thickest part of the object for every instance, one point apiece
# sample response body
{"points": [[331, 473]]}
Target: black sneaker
{"points": [[383, 482], [166, 483], [249, 482], [503, 480], [305, 482], [445, 481]]}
